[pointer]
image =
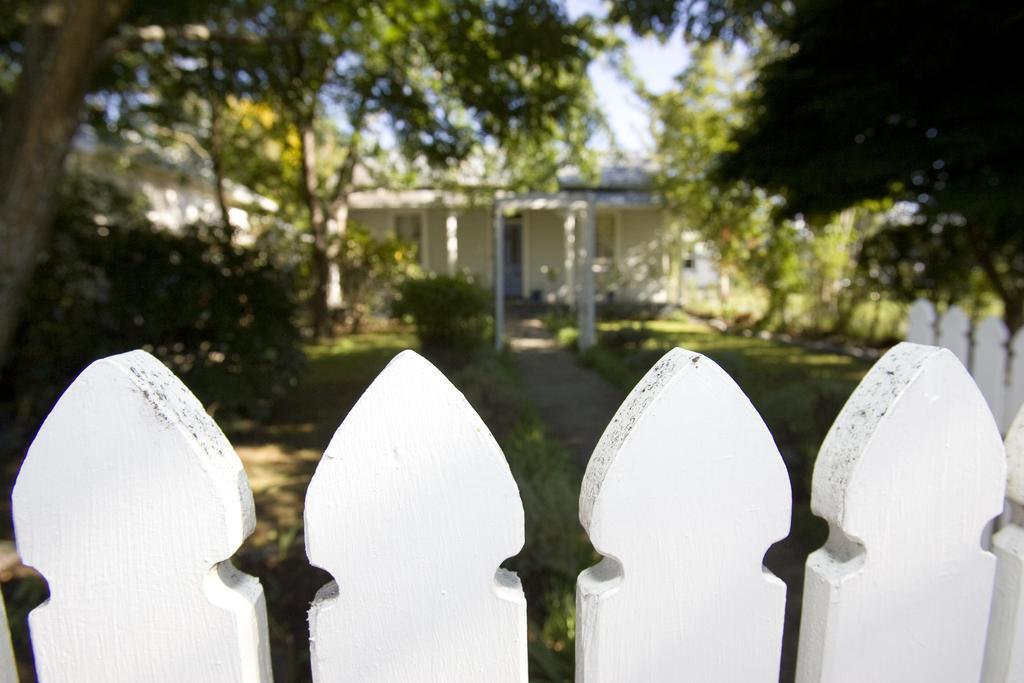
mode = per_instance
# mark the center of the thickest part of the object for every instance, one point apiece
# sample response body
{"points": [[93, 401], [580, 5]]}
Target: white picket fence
{"points": [[131, 500], [994, 359]]}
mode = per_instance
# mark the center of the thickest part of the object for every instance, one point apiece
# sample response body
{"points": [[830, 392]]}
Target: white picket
{"points": [[955, 333], [921, 322], [684, 494], [1015, 378], [129, 503], [411, 510], [1004, 652], [988, 365], [908, 476], [8, 670]]}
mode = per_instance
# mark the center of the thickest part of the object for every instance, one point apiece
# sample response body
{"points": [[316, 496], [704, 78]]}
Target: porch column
{"points": [[569, 297], [499, 277], [451, 229], [586, 305]]}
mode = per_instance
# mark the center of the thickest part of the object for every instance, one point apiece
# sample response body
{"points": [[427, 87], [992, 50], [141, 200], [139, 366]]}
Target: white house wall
{"points": [[544, 253], [639, 273]]}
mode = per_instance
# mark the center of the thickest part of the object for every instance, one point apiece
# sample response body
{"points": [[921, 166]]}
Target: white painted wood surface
{"points": [[129, 503], [684, 494], [955, 333], [921, 322], [908, 477], [411, 510], [586, 304], [989, 365], [8, 670], [1004, 652], [1015, 378]]}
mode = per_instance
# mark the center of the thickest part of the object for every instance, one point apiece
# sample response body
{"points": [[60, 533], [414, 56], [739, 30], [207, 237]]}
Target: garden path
{"points": [[573, 401]]}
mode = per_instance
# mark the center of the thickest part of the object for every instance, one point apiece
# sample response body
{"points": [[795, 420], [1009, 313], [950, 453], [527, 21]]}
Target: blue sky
{"points": [[655, 62]]}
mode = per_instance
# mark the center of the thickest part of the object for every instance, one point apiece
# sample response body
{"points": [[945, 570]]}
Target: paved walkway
{"points": [[575, 403]]}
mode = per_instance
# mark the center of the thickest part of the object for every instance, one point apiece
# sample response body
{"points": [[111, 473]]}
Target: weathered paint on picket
{"points": [[908, 477], [411, 510], [683, 496], [1004, 652], [130, 502]]}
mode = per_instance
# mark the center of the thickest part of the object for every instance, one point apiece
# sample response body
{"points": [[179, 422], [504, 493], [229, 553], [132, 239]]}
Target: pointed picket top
{"points": [[988, 365], [412, 509], [955, 333], [1004, 650], [684, 494], [908, 477], [921, 322], [1015, 378], [129, 503]]}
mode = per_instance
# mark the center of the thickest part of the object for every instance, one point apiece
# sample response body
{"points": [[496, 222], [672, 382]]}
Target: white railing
{"points": [[131, 500], [994, 359]]}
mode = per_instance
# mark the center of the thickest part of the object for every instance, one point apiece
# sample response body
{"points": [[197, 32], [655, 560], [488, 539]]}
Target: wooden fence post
{"points": [[955, 334], [1004, 652], [683, 496], [921, 322], [1015, 378], [989, 365], [129, 503], [411, 510], [908, 477]]}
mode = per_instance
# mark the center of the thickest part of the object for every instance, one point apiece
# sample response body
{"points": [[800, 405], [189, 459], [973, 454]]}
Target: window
{"points": [[605, 237], [409, 227]]}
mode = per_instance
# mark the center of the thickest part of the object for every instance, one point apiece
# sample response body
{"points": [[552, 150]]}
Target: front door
{"points": [[513, 248]]}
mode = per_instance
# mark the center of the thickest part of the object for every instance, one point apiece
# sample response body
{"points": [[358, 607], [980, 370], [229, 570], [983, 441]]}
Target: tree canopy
{"points": [[915, 101]]}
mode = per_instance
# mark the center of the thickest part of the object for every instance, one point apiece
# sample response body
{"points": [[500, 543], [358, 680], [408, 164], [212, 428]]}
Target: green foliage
{"points": [[703, 20], [449, 312], [221, 318], [914, 101], [371, 269]]}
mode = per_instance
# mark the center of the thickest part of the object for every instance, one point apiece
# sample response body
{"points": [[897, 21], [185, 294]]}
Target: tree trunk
{"points": [[62, 46], [318, 223], [217, 162]]}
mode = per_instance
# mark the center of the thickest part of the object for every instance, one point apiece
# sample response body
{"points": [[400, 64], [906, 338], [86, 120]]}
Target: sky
{"points": [[656, 63]]}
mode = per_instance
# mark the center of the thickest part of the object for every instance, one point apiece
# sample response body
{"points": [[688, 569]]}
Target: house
{"points": [[175, 180], [603, 240]]}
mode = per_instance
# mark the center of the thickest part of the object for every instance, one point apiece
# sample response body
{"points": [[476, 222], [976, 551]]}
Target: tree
{"points": [[911, 101], [441, 77], [61, 49]]}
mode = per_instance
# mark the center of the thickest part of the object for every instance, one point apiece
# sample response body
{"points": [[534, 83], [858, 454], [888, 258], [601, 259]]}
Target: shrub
{"points": [[371, 268], [220, 317], [449, 312]]}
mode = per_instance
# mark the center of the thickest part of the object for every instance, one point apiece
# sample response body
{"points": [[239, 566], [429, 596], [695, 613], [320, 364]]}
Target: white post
{"points": [[910, 473], [499, 277], [586, 304], [683, 495], [451, 227], [570, 258], [411, 510], [1004, 648], [131, 503]]}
